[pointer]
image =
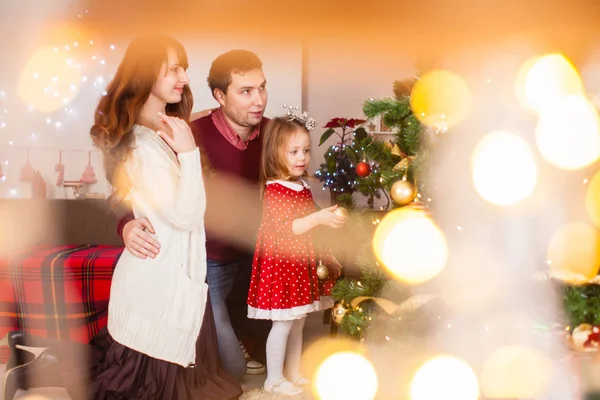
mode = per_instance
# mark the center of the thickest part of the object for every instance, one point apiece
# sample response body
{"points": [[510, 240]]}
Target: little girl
{"points": [[284, 286]]}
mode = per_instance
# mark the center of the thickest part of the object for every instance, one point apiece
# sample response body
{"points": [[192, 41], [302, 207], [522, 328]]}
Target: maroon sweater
{"points": [[225, 159]]}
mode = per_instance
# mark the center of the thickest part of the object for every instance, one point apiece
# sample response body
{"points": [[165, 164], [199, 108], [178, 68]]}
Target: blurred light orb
{"points": [[440, 99], [514, 372], [48, 80], [410, 245], [568, 133], [444, 377], [346, 376], [545, 79], [592, 200], [574, 253], [320, 350], [503, 169]]}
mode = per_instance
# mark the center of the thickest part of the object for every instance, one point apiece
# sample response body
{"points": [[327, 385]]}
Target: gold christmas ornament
{"points": [[580, 335], [341, 212], [338, 312], [403, 192], [322, 271]]}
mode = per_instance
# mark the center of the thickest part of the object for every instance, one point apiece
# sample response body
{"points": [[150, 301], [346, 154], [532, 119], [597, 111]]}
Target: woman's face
{"points": [[171, 80]]}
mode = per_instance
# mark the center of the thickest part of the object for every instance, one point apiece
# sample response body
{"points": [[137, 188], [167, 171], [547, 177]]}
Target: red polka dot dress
{"points": [[284, 284]]}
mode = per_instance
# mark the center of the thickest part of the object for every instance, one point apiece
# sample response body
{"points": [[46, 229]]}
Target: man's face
{"points": [[246, 98]]}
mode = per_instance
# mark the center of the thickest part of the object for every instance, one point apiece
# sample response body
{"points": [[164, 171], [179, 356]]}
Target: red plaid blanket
{"points": [[57, 291]]}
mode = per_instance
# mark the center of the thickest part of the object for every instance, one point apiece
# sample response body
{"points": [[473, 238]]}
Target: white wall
{"points": [[340, 75], [22, 128]]}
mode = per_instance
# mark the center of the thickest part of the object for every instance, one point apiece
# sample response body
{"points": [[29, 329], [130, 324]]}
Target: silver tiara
{"points": [[295, 114]]}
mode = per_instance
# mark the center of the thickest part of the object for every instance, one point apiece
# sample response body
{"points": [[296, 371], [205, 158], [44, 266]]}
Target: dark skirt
{"points": [[118, 372]]}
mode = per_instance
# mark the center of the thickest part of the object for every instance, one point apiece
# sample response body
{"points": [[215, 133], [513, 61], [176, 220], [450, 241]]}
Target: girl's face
{"points": [[171, 80], [297, 153]]}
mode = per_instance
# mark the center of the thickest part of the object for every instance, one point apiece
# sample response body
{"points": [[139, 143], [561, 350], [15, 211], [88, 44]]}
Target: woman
{"points": [[160, 342]]}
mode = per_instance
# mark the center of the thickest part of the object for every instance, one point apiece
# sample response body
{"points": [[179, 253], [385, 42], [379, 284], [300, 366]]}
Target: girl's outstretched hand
{"points": [[327, 217]]}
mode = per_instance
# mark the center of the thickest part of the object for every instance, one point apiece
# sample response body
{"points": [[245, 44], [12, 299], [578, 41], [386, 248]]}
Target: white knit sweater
{"points": [[157, 305]]}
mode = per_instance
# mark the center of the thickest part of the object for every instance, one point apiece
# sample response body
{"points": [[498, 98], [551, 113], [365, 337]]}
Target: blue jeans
{"points": [[221, 278]]}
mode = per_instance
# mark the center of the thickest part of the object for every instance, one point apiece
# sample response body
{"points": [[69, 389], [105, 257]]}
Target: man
{"points": [[231, 139]]}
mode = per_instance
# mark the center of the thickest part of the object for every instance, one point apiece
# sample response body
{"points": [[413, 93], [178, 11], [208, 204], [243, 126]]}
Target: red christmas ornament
{"points": [[363, 169]]}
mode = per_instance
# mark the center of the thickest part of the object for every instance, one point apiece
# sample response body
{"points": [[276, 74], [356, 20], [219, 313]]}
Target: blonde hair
{"points": [[276, 136]]}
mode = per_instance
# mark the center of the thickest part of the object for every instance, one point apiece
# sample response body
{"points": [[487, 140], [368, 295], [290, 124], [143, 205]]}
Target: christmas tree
{"points": [[397, 158], [389, 168], [360, 162]]}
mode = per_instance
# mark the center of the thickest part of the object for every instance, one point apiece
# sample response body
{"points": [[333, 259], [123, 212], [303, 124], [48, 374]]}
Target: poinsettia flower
{"points": [[344, 123], [352, 122], [335, 123]]}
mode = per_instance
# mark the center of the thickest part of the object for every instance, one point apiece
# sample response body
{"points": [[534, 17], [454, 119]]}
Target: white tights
{"points": [[284, 344]]}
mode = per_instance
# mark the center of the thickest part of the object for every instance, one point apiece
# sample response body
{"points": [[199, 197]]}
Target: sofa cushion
{"points": [[57, 291]]}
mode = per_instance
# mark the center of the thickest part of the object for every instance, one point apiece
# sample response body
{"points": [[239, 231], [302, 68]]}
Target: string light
{"points": [[59, 88]]}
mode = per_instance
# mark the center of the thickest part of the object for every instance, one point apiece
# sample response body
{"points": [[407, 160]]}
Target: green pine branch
{"points": [[409, 136], [397, 114], [373, 108], [404, 87], [378, 150], [356, 322], [389, 177], [582, 304], [371, 283], [346, 200]]}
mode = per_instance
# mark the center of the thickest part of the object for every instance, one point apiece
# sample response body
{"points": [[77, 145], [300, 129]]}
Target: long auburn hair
{"points": [[276, 136], [118, 110]]}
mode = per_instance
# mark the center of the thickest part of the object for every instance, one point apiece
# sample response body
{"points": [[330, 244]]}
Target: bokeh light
{"points": [[50, 80], [574, 253], [444, 377], [546, 79], [503, 168], [592, 199], [346, 376], [440, 99], [568, 133], [317, 352], [514, 372], [410, 246]]}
